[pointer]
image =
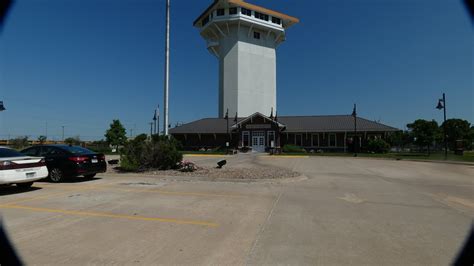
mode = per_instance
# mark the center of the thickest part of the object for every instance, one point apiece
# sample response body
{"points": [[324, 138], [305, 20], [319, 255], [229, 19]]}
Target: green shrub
{"points": [[293, 148], [128, 164], [378, 146], [160, 153], [173, 141]]}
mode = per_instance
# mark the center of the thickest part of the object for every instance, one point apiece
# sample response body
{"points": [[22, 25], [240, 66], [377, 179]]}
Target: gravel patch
{"points": [[254, 173], [233, 173]]}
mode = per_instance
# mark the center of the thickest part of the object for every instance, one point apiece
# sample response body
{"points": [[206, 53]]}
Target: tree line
{"points": [[428, 135]]}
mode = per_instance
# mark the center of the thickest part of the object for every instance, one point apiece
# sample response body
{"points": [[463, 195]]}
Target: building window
{"points": [[332, 140], [256, 35], [276, 20], [255, 142], [299, 140], [245, 139], [205, 21], [246, 11], [261, 16], [232, 11], [220, 12], [271, 137], [315, 140]]}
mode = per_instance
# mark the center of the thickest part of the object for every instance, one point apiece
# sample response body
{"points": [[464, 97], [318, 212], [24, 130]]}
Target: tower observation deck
{"points": [[244, 38]]}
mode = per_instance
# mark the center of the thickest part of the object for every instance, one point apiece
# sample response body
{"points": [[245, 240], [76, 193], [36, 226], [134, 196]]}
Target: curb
{"points": [[435, 161]]}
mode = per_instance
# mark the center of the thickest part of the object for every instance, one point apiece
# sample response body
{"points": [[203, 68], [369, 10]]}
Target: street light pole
{"points": [[154, 122], [63, 132], [2, 108], [444, 129], [354, 114], [227, 138], [158, 120], [442, 105]]}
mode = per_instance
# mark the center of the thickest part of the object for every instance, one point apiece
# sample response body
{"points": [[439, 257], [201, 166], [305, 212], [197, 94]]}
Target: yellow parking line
{"points": [[110, 215], [284, 156], [191, 193], [148, 190], [102, 187], [47, 196], [177, 193], [205, 155], [72, 186]]}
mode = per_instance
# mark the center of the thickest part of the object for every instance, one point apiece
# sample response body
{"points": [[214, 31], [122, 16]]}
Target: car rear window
{"points": [[5, 153], [77, 150]]}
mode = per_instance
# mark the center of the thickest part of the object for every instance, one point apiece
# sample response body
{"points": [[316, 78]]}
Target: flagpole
{"points": [[167, 68]]}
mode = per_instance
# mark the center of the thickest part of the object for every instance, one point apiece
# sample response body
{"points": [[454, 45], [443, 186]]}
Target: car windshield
{"points": [[77, 150], [6, 153]]}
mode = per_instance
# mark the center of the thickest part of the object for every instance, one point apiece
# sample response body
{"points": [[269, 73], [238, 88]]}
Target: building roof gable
{"points": [[257, 114]]}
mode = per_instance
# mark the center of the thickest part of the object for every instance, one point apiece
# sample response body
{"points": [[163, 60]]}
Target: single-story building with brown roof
{"points": [[261, 133]]}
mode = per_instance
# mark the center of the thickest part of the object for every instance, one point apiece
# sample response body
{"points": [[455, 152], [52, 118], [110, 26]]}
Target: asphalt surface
{"points": [[339, 211]]}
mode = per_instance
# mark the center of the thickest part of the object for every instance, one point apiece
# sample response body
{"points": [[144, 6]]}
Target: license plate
{"points": [[95, 161], [30, 174]]}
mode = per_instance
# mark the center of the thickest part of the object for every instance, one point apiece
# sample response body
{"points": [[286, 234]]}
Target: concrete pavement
{"points": [[346, 211]]}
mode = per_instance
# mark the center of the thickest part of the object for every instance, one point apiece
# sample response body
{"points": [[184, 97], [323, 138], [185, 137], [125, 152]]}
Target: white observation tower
{"points": [[244, 38]]}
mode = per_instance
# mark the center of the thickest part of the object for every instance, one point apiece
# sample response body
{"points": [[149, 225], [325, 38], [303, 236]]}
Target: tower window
{"points": [[276, 20], [261, 16], [246, 11], [256, 35], [232, 11], [220, 12]]}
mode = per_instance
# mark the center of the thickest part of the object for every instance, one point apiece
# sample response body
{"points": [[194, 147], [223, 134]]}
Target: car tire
{"points": [[24, 185], [56, 175], [90, 176]]}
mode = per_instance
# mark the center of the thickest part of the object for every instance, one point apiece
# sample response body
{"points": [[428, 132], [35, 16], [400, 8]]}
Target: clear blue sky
{"points": [[83, 63]]}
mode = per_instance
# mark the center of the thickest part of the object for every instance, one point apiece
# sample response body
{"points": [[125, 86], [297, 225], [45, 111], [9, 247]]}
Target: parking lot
{"points": [[339, 211]]}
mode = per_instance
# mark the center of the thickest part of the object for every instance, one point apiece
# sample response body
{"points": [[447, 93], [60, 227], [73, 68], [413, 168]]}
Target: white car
{"points": [[16, 168]]}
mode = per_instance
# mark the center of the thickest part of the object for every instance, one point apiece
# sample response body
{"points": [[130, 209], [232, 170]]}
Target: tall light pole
{"points": [[157, 112], [442, 105], [167, 68], [227, 137], [354, 114], [2, 108], [154, 123], [63, 132]]}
